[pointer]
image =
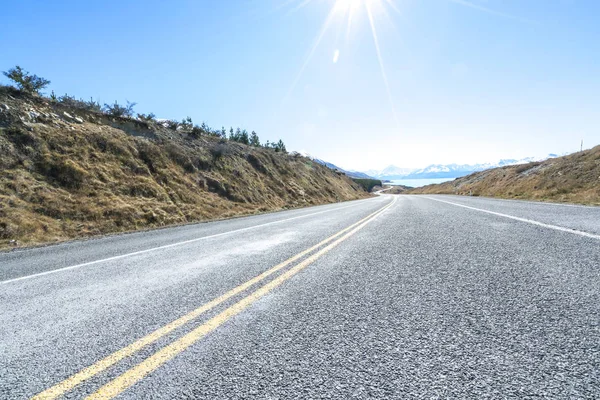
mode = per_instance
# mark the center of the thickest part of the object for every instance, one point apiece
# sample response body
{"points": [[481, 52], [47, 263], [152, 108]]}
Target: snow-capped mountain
{"points": [[432, 171], [446, 170], [390, 170]]}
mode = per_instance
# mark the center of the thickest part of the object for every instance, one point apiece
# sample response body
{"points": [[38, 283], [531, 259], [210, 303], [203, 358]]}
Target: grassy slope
{"points": [[61, 178], [574, 178]]}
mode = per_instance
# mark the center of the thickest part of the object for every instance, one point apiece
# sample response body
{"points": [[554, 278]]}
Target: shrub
{"points": [[172, 124], [26, 82], [67, 173], [186, 123], [196, 131], [72, 102], [147, 117], [219, 150], [117, 110]]}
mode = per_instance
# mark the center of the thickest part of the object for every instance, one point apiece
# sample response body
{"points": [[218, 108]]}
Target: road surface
{"points": [[389, 297]]}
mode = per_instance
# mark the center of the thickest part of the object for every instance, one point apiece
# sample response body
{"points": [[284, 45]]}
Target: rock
{"points": [[68, 116], [14, 243], [78, 120], [34, 115]]}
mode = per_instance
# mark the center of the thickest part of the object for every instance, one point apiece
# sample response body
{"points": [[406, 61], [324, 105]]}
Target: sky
{"points": [[360, 83]]}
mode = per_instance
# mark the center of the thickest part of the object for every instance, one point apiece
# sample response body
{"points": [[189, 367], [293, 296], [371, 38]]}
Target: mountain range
{"points": [[433, 171]]}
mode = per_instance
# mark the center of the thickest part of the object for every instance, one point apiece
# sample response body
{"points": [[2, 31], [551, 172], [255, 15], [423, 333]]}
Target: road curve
{"points": [[390, 297]]}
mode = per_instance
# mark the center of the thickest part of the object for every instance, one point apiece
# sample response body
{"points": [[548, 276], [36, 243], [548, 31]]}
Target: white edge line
{"points": [[544, 203], [529, 221], [135, 253]]}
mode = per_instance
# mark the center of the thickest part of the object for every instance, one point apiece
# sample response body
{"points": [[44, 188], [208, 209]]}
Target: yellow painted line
{"points": [[137, 373], [100, 366]]}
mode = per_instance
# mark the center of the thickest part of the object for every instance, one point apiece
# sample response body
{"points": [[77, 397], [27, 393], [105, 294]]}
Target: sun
{"points": [[347, 10], [348, 4]]}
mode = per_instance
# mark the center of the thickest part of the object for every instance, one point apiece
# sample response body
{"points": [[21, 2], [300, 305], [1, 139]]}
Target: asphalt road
{"points": [[390, 297]]}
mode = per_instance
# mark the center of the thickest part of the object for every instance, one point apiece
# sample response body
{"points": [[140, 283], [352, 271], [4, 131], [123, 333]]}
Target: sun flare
{"points": [[345, 11]]}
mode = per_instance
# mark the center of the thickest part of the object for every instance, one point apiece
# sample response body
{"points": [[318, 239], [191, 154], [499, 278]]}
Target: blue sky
{"points": [[469, 81]]}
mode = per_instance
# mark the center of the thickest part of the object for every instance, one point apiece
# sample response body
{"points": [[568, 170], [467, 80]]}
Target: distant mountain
{"points": [[435, 171], [391, 171], [350, 173]]}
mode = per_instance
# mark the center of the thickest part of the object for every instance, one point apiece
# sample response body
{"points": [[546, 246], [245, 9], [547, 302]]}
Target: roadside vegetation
{"points": [[33, 85], [72, 168], [574, 178], [368, 184]]}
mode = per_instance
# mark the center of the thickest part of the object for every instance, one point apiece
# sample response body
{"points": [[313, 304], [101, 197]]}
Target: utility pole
{"points": [[581, 145]]}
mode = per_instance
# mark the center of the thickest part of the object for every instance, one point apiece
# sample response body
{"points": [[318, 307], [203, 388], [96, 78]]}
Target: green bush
{"points": [[368, 184], [117, 110], [71, 101]]}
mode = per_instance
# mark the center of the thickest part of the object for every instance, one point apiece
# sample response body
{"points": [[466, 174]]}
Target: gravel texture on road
{"points": [[427, 300]]}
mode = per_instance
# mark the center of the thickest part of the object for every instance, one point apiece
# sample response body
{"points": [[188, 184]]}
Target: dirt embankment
{"points": [[574, 179], [67, 173]]}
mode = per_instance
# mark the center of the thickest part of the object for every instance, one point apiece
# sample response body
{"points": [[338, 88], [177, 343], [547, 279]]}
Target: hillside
{"points": [[574, 178], [68, 173]]}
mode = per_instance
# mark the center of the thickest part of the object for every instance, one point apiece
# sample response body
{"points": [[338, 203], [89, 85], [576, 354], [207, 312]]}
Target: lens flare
{"points": [[348, 9]]}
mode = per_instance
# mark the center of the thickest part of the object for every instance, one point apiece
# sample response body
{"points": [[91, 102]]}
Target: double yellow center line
{"points": [[138, 372]]}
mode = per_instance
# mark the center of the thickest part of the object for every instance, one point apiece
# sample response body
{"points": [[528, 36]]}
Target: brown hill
{"points": [[67, 173], [574, 178]]}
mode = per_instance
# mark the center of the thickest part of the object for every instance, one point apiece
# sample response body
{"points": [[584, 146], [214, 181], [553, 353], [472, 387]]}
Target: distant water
{"points": [[420, 182]]}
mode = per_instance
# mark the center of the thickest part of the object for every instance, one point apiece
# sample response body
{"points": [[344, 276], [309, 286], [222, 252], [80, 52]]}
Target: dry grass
{"points": [[62, 179], [572, 179]]}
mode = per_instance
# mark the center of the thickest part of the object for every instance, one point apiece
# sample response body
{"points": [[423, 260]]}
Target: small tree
{"points": [[186, 123], [244, 138], [147, 117], [26, 82], [254, 140], [223, 133], [279, 146]]}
